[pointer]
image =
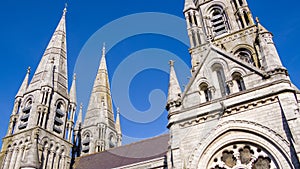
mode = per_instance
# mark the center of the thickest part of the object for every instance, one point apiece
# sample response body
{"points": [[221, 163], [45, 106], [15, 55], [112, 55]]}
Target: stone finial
{"points": [[118, 124], [24, 84], [174, 93], [65, 9], [257, 20], [73, 95], [171, 62]]}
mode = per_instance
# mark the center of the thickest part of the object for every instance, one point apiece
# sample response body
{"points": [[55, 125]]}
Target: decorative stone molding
{"points": [[229, 111], [249, 127]]}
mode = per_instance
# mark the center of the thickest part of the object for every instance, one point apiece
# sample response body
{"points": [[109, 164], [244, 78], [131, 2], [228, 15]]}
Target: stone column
{"points": [[13, 158], [62, 162], [45, 154], [44, 120], [7, 158], [19, 157], [193, 18], [202, 96], [56, 161], [70, 132], [50, 159]]}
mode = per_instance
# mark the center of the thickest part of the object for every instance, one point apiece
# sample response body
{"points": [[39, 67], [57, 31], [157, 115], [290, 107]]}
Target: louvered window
{"points": [[58, 119], [218, 20]]}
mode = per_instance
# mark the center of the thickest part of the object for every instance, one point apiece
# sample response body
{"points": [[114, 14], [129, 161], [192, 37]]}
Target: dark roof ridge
{"points": [[126, 145]]}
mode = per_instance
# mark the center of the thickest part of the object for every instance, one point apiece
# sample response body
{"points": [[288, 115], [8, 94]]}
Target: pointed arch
{"points": [[240, 131]]}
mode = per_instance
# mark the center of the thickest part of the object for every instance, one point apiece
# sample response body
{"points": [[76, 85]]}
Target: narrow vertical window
{"points": [[223, 88], [221, 80], [246, 18], [239, 81], [241, 2], [204, 90], [235, 4]]}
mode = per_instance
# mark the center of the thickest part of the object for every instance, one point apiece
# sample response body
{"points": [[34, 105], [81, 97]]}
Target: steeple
{"points": [[118, 128], [53, 65], [99, 129], [72, 94], [174, 94], [100, 105], [24, 85]]}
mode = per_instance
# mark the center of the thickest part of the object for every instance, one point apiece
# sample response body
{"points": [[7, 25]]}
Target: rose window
{"points": [[242, 156]]}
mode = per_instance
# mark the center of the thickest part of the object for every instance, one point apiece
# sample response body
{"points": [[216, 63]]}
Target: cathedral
{"points": [[239, 110]]}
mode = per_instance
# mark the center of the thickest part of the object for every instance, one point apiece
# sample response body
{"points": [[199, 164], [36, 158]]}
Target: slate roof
{"points": [[125, 155]]}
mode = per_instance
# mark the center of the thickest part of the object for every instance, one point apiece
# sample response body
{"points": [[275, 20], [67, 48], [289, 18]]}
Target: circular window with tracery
{"points": [[242, 156]]}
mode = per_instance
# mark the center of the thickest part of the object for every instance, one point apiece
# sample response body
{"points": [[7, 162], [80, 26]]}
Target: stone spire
{"points": [[118, 125], [79, 119], [24, 85], [189, 4], [118, 128], [174, 94], [53, 65], [72, 94], [100, 104]]}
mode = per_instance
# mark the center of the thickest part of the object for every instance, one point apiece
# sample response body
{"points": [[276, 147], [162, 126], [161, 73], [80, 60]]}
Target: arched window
{"points": [[58, 120], [112, 141], [205, 92], [245, 55], [218, 20], [86, 143], [25, 115], [224, 89], [237, 77]]}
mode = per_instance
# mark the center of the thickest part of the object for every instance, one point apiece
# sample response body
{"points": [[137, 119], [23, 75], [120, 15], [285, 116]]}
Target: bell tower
{"points": [[39, 132], [239, 109]]}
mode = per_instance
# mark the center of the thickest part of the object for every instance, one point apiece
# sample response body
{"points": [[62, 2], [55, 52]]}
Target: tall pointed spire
{"points": [[174, 94], [79, 119], [189, 4], [118, 125], [72, 94], [118, 128], [100, 105], [24, 85], [53, 65]]}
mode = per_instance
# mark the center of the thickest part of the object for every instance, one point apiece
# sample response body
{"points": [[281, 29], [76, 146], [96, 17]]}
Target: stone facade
{"points": [[239, 110]]}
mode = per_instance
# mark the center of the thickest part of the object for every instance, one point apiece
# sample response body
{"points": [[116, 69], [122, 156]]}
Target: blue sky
{"points": [[26, 27]]}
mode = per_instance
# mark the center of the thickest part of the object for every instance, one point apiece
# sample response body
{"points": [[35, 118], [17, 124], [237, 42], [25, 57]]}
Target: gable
{"points": [[218, 65]]}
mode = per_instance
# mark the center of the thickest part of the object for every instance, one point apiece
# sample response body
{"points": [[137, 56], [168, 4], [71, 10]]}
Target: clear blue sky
{"points": [[26, 27]]}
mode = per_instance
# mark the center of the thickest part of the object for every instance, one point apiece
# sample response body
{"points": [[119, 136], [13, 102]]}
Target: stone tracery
{"points": [[242, 156]]}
